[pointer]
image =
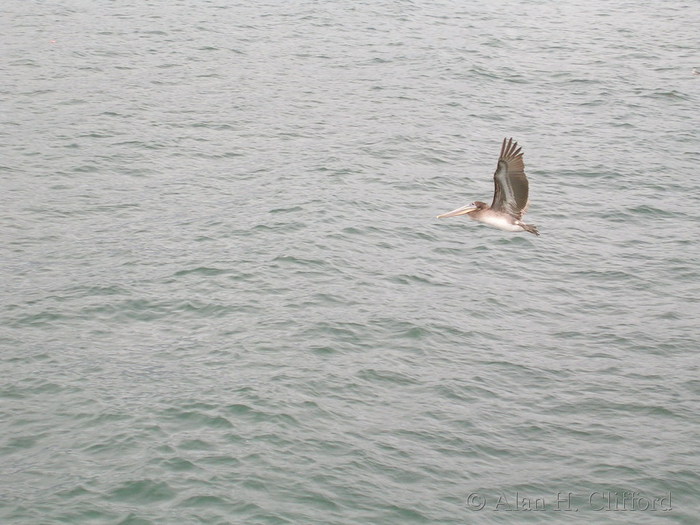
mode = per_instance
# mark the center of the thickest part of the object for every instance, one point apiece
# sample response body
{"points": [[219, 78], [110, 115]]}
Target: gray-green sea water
{"points": [[225, 298]]}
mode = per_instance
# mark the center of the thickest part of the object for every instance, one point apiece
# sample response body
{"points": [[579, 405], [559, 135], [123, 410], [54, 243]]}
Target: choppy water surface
{"points": [[226, 299]]}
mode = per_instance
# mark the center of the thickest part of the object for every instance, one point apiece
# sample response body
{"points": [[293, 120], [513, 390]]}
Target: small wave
{"points": [[146, 492], [202, 270]]}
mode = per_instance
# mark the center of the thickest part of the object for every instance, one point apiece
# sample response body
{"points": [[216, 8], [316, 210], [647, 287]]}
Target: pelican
{"points": [[510, 198]]}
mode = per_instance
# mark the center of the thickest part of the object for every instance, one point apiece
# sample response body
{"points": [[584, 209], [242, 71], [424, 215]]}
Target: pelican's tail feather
{"points": [[530, 228]]}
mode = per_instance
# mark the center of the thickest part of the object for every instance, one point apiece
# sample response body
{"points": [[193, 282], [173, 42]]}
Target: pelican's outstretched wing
{"points": [[511, 192]]}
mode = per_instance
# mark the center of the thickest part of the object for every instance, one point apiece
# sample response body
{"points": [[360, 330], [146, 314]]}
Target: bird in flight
{"points": [[510, 198]]}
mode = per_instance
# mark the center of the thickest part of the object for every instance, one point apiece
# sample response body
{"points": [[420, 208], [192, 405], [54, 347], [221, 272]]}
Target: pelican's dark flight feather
{"points": [[511, 191]]}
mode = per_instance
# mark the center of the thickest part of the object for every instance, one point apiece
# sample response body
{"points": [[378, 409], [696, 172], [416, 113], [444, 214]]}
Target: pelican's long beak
{"points": [[459, 211]]}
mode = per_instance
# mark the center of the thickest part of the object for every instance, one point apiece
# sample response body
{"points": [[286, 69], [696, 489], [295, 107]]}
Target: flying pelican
{"points": [[510, 198]]}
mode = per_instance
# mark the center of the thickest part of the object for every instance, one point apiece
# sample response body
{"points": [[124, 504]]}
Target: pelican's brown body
{"points": [[510, 198]]}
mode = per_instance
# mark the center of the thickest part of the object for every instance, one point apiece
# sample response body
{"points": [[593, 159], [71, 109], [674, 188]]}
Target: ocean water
{"points": [[226, 298]]}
